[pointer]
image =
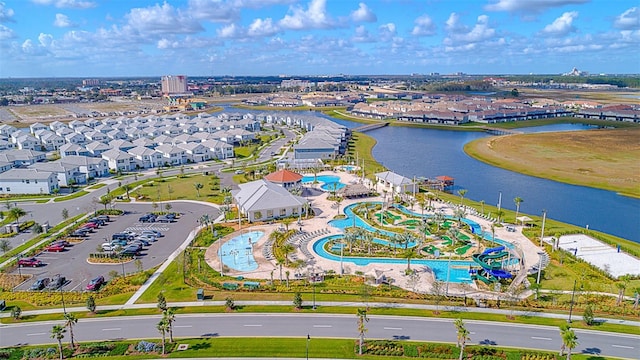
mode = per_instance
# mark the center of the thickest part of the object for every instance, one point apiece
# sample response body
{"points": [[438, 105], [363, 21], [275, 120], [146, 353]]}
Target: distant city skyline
{"points": [[95, 38]]}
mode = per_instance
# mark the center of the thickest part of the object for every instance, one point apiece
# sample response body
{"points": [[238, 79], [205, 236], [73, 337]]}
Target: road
{"points": [[327, 325]]}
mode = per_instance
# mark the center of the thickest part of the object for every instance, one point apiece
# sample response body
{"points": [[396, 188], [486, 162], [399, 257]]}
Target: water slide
{"points": [[491, 267]]}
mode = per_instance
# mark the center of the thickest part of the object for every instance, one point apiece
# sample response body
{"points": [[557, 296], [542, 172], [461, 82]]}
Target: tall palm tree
{"points": [[462, 193], [163, 328], [422, 203], [170, 316], [16, 213], [198, 186], [57, 332], [518, 200], [482, 205], [362, 327], [127, 188], [70, 321], [569, 340], [463, 335]]}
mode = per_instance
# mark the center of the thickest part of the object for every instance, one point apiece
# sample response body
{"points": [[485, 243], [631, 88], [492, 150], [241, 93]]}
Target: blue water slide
{"points": [[500, 274], [492, 250]]}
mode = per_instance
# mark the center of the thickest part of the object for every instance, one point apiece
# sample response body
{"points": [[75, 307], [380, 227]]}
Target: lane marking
{"points": [[250, 325], [182, 326], [392, 328], [623, 346], [112, 329], [322, 326], [540, 338], [36, 334]]}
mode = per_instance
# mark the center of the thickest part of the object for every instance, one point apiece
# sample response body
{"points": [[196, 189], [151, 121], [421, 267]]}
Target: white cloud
{"points": [[314, 17], [453, 24], [160, 20], [6, 14], [460, 34], [362, 35], [529, 6], [562, 25], [628, 20], [229, 31], [72, 4], [6, 33], [424, 26], [62, 21], [387, 31], [213, 10], [260, 27], [363, 14]]}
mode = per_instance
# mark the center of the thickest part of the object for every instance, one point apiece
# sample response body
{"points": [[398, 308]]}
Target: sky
{"points": [[117, 38]]}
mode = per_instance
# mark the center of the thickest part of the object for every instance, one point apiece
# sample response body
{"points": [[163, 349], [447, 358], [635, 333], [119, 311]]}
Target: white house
{"points": [[146, 158], [96, 148], [28, 181], [262, 200], [393, 183], [173, 155], [90, 166], [195, 151], [119, 160], [70, 149], [68, 174]]}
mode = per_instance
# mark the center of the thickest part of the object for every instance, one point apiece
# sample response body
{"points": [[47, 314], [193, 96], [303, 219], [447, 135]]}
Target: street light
{"points": [[573, 294], [308, 340], [544, 217]]}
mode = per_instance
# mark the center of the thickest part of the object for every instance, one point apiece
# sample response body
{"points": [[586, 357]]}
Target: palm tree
{"points": [[127, 188], [482, 204], [286, 250], [463, 335], [57, 332], [422, 203], [462, 193], [16, 213], [409, 254], [71, 320], [362, 328], [286, 222], [569, 340], [170, 316], [105, 200], [198, 186], [500, 214], [518, 200], [163, 328]]}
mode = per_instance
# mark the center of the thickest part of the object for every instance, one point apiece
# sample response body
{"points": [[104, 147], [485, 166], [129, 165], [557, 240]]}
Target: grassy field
{"points": [[363, 144], [604, 159], [180, 188]]}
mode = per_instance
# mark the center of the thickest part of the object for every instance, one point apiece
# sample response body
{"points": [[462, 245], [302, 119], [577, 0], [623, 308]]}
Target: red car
{"points": [[33, 262], [95, 283], [54, 248], [90, 225]]}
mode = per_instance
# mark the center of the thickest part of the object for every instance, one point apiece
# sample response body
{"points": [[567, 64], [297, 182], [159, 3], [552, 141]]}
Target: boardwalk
{"points": [[368, 127], [495, 131]]}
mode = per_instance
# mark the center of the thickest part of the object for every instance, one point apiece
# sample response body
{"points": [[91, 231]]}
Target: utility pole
{"points": [[544, 218], [573, 294]]}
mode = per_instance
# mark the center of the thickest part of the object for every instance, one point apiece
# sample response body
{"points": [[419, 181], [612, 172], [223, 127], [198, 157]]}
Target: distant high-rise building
{"points": [[174, 84], [90, 82]]}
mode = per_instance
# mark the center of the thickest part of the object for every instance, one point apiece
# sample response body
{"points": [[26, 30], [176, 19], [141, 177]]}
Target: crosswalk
{"points": [[147, 227]]}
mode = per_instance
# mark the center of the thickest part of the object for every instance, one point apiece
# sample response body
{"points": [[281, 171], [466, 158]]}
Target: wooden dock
{"points": [[369, 127], [496, 131]]}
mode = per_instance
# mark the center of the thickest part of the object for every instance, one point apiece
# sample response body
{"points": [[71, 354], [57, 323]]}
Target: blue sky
{"points": [[103, 38]]}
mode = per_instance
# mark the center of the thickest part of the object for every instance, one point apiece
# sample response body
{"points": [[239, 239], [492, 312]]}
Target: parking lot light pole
{"points": [[19, 270], [122, 263], [308, 340]]}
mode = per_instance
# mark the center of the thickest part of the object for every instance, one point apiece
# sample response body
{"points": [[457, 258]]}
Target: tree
{"points": [[198, 186], [482, 205], [286, 222], [91, 304], [16, 311], [462, 334], [622, 286], [57, 332], [362, 328], [163, 328], [587, 315], [500, 214], [515, 93], [5, 245], [438, 290], [170, 316], [162, 302], [462, 193], [127, 188], [569, 340], [297, 300], [65, 214], [70, 320], [16, 213], [518, 200], [105, 200]]}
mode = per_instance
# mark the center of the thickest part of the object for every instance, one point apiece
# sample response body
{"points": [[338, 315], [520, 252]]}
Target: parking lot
{"points": [[72, 263]]}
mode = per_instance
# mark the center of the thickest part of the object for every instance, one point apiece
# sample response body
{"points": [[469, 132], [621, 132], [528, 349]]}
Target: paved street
{"points": [[323, 325]]}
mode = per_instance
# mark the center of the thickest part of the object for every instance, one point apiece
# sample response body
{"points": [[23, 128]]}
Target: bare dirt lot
{"points": [[605, 159]]}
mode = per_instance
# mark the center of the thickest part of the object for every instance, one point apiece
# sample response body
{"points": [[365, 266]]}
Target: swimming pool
{"points": [[458, 269], [237, 253], [329, 182]]}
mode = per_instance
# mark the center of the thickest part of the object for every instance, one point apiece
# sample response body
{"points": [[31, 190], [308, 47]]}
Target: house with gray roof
{"points": [[147, 158], [75, 138], [51, 141], [119, 160], [70, 149], [145, 142], [96, 148], [315, 148], [94, 136], [219, 149], [22, 157], [28, 142], [37, 126], [64, 131], [195, 151], [120, 144], [7, 130], [68, 174], [28, 181], [117, 135], [263, 200], [90, 166], [6, 145], [393, 183], [55, 125], [172, 155], [5, 166]]}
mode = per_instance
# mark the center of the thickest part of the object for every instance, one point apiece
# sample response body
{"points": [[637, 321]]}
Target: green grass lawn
{"points": [[75, 195], [180, 188]]}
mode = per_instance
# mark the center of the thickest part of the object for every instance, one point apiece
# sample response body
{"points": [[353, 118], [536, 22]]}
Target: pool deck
{"points": [[325, 210]]}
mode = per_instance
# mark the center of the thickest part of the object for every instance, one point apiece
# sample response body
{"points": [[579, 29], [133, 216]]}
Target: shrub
{"points": [[145, 346]]}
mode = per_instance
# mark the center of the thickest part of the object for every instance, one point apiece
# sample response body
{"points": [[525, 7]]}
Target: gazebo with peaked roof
{"points": [[285, 178]]}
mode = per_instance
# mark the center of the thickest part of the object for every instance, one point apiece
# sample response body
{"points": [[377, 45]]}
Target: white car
{"points": [[110, 247], [154, 233], [146, 237]]}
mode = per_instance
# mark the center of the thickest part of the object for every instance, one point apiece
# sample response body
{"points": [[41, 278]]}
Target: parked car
{"points": [[163, 219], [146, 238], [56, 282], [64, 243], [122, 236], [54, 248], [154, 233], [82, 232], [147, 218], [119, 242], [110, 247], [95, 283], [238, 172], [171, 216], [105, 218], [96, 221], [130, 250], [32, 262], [139, 243], [40, 284], [90, 225]]}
